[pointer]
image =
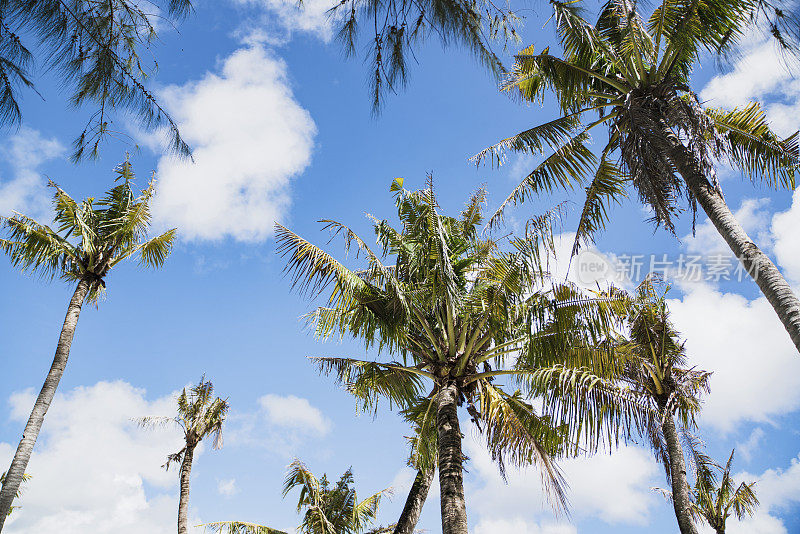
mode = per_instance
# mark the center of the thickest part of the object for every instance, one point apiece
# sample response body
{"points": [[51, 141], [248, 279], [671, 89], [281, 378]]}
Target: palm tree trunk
{"points": [[414, 501], [772, 284], [183, 503], [451, 471], [20, 462], [677, 471]]}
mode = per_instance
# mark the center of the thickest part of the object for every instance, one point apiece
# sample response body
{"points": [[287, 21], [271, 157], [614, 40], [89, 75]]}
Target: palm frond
{"points": [[239, 527]]}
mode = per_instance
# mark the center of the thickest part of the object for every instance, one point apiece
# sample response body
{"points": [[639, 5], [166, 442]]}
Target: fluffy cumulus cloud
{"points": [[294, 412], [756, 369], [22, 187], [93, 469], [279, 19], [227, 488], [281, 425], [250, 139], [759, 74], [615, 488]]}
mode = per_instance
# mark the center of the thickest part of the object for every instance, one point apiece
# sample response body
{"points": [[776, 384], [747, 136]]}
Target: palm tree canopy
{"points": [[715, 499], [200, 415], [90, 237], [453, 307], [95, 46], [325, 508], [654, 364], [633, 73]]}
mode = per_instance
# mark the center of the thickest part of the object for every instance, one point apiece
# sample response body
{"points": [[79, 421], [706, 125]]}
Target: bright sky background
{"points": [[281, 127]]}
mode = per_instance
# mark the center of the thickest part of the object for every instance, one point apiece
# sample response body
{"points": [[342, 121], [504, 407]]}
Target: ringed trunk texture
{"points": [[414, 501], [768, 278], [20, 462], [183, 503], [451, 473], [677, 471]]}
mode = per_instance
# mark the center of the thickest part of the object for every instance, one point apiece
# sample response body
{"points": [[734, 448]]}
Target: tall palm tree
{"points": [[662, 142], [457, 312], [715, 500], [91, 238], [326, 509], [654, 362], [200, 415]]}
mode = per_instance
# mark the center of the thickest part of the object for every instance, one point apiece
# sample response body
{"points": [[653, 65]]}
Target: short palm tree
{"points": [[90, 239], [326, 509], [661, 141], [200, 415], [715, 500], [457, 312], [654, 362]]}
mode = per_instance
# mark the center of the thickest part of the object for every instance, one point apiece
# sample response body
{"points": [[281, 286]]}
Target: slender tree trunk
{"points": [[20, 462], [677, 471], [772, 284], [414, 501], [183, 503], [451, 471]]}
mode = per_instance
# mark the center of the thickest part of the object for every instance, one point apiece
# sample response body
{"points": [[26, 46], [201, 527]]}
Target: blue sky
{"points": [[282, 130]]}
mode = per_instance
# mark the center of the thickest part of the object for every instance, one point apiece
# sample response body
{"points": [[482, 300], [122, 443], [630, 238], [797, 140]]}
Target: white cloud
{"points": [[521, 526], [787, 246], [227, 488], [746, 448], [756, 369], [613, 487], [294, 412], [24, 191], [281, 425], [250, 138], [760, 74], [282, 18], [92, 462]]}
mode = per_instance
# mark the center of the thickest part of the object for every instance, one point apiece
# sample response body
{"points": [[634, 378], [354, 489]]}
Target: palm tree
{"points": [[661, 141], [326, 509], [91, 238], [654, 361], [199, 415], [457, 312], [714, 501]]}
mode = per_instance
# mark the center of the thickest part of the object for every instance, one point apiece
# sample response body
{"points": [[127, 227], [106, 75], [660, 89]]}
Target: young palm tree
{"points": [[661, 142], [90, 239], [325, 509], [654, 362], [458, 312], [199, 415], [714, 501]]}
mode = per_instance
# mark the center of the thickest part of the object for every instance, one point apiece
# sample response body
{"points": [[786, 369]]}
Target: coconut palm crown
{"points": [[325, 508], [457, 313], [714, 499], [90, 238], [628, 76]]}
